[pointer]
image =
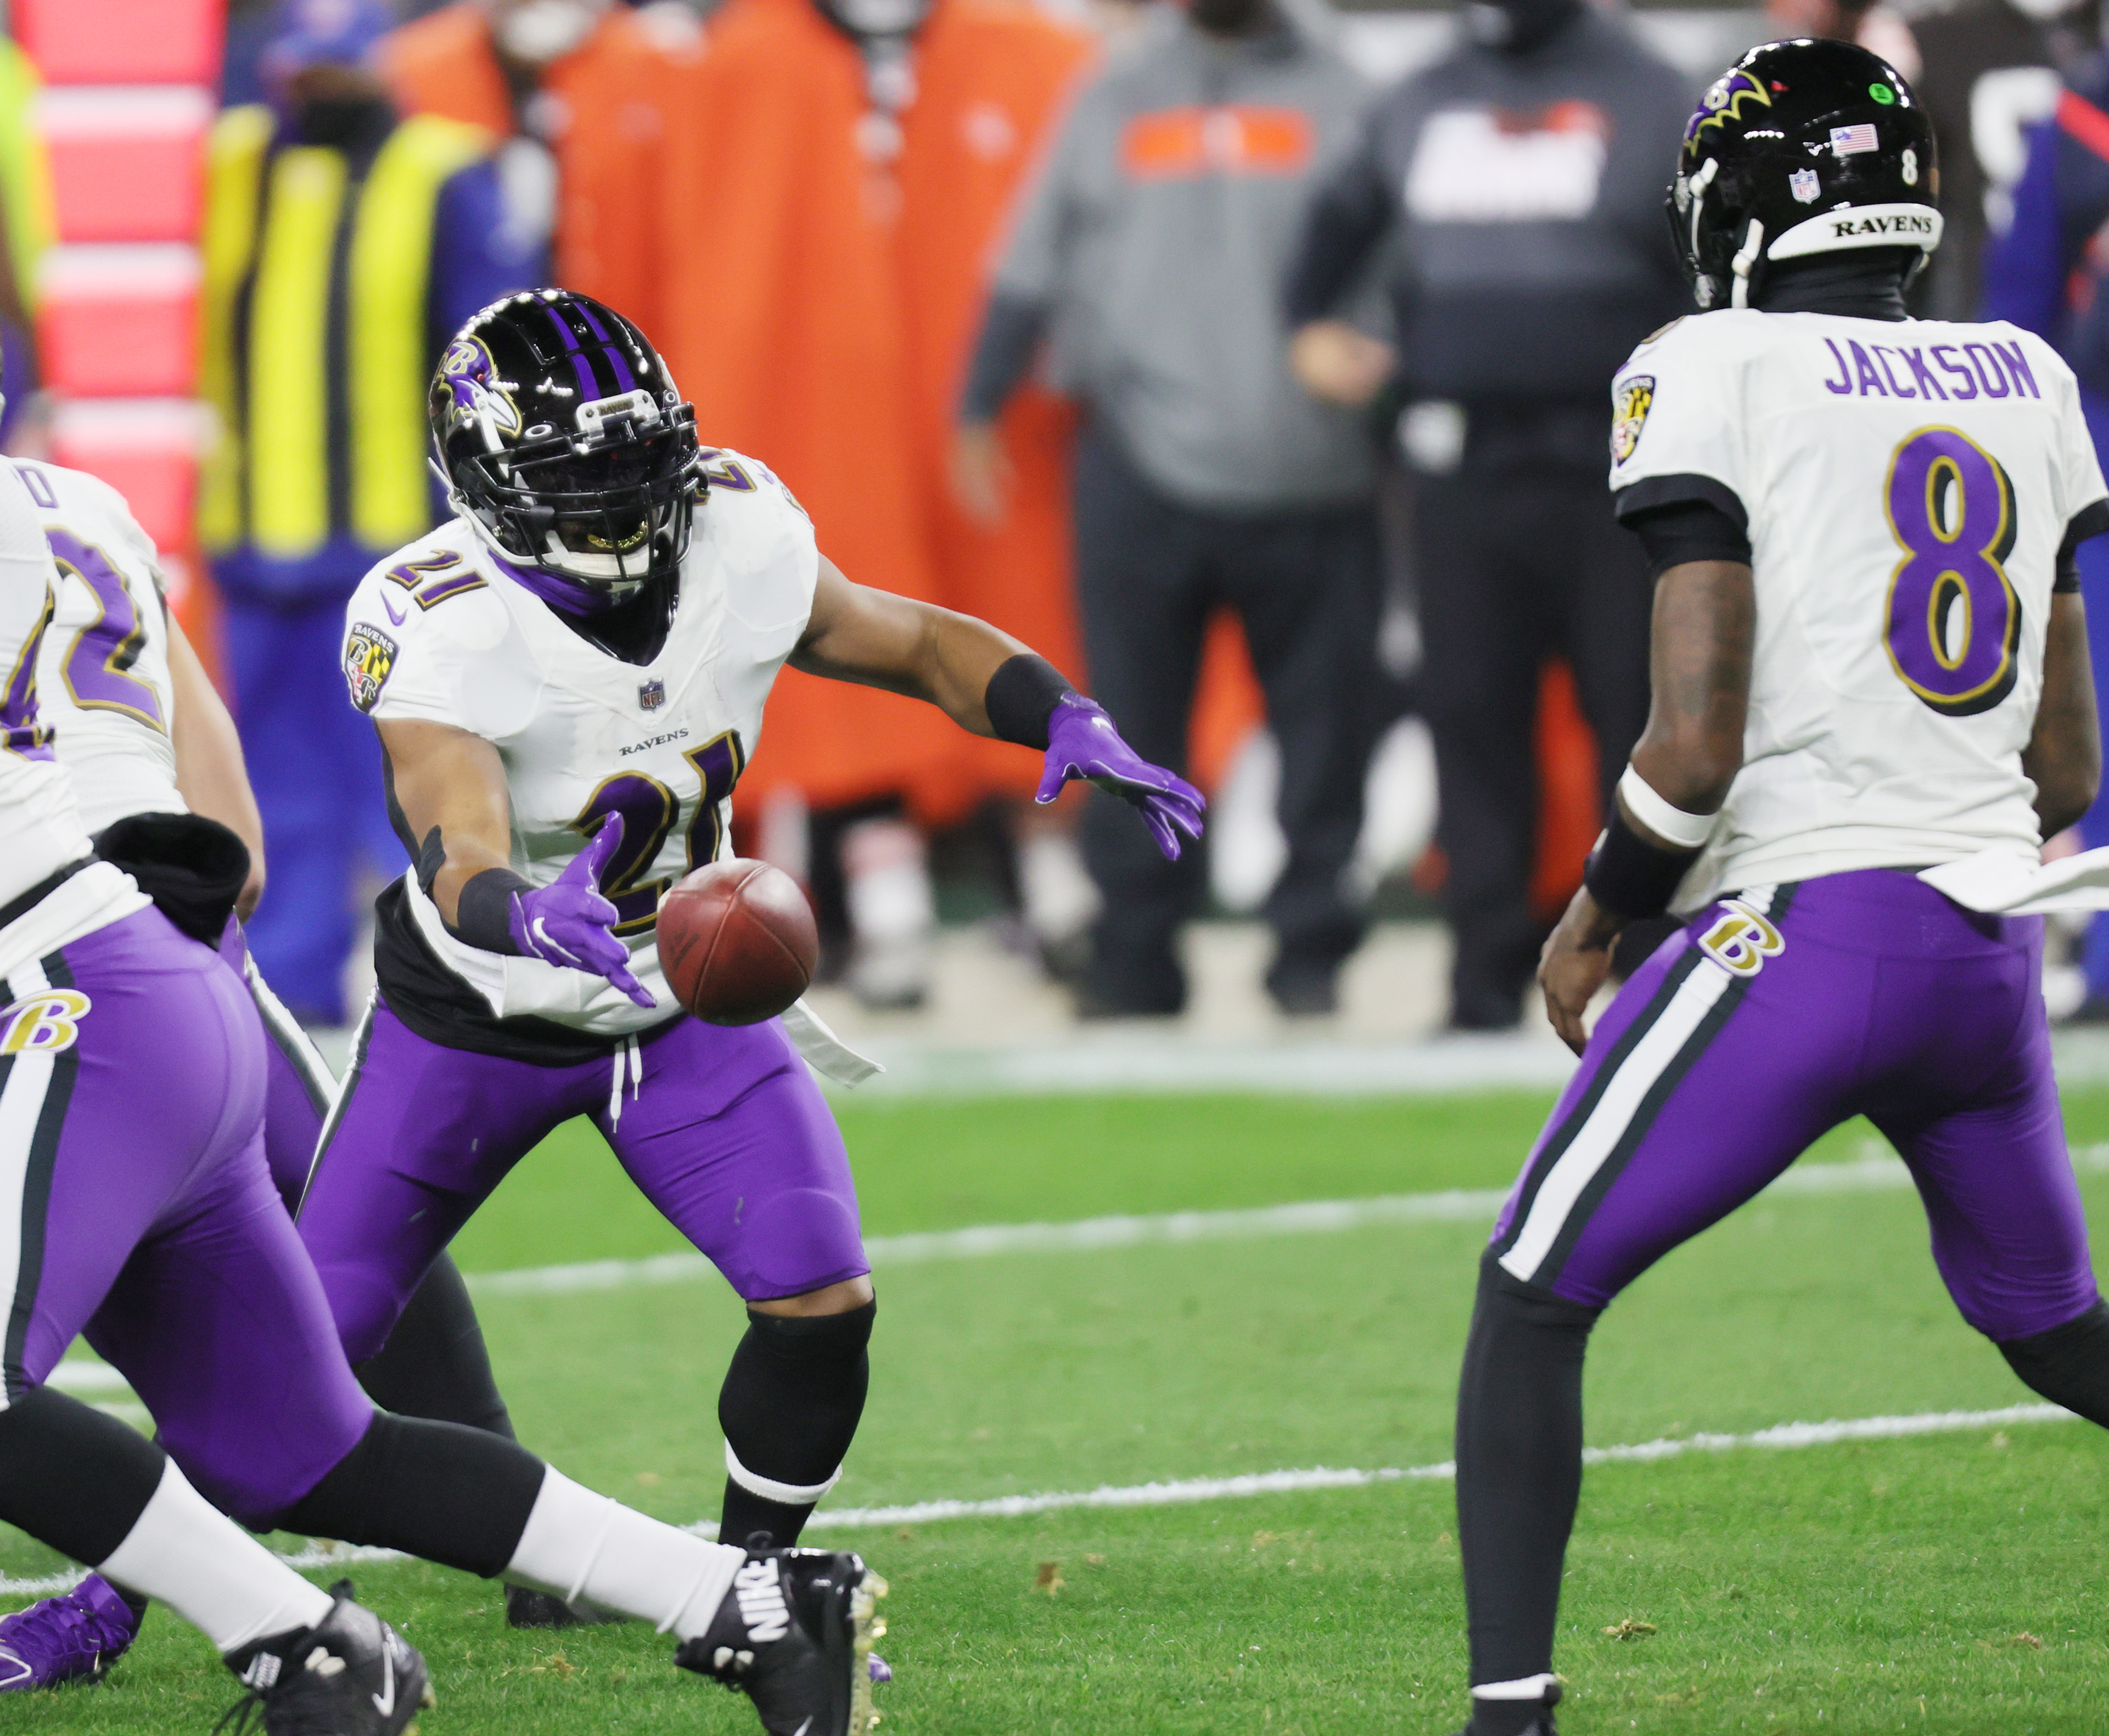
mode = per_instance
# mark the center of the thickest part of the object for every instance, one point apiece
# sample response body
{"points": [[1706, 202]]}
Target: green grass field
{"points": [[1945, 1583]]}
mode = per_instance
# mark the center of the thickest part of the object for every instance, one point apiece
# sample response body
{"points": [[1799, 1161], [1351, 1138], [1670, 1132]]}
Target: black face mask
{"points": [[339, 121], [1228, 17], [1518, 26]]}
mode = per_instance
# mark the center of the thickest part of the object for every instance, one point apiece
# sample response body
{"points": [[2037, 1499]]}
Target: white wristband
{"points": [[1671, 825]]}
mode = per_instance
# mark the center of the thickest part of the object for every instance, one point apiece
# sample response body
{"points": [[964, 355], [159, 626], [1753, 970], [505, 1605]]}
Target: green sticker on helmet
{"points": [[1881, 93]]}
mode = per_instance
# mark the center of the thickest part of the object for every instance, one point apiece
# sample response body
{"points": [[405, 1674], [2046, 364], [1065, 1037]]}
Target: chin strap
{"points": [[1754, 240]]}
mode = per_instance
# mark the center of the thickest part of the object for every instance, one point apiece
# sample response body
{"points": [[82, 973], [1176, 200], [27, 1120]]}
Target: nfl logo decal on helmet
{"points": [[1791, 126]]}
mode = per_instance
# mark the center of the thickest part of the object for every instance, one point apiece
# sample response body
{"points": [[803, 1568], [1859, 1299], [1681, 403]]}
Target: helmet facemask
{"points": [[606, 507]]}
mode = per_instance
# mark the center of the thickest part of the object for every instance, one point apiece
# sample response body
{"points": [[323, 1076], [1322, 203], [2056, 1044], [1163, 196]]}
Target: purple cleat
{"points": [[881, 1671], [68, 1639]]}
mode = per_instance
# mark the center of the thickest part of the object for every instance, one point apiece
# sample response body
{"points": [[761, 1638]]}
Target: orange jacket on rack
{"points": [[819, 302], [991, 79], [608, 132]]}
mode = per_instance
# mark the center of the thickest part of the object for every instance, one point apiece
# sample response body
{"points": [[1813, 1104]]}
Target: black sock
{"points": [[434, 1364], [2069, 1364], [74, 1479], [1519, 1473], [455, 1495], [789, 1410]]}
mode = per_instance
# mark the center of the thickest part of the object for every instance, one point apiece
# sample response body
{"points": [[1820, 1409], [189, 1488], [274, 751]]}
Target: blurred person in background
{"points": [[27, 227], [818, 307], [1519, 181], [342, 248], [1986, 72], [1146, 259], [2048, 274], [578, 90]]}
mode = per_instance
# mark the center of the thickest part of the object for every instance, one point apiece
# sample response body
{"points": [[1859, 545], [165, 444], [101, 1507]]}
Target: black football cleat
{"points": [[350, 1675], [1515, 1717], [794, 1635]]}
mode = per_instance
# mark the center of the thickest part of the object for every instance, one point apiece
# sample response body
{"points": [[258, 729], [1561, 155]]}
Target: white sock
{"points": [[210, 1571], [582, 1545], [1524, 1688]]}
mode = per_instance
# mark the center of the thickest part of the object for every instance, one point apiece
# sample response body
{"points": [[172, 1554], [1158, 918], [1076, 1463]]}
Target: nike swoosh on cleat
{"points": [[384, 1703], [390, 607]]}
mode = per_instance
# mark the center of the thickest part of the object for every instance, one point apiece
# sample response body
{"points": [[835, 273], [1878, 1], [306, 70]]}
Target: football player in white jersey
{"points": [[136, 1210], [568, 678], [154, 759], [1870, 705]]}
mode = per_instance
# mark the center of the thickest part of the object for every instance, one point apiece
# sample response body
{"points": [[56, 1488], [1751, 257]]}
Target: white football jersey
{"points": [[1907, 487], [441, 632], [103, 677], [41, 831]]}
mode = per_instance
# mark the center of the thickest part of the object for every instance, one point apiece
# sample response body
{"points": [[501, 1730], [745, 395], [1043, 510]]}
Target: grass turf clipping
{"points": [[1942, 1582]]}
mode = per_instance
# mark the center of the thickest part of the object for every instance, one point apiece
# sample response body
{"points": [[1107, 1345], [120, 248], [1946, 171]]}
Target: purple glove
{"points": [[1081, 742], [567, 922]]}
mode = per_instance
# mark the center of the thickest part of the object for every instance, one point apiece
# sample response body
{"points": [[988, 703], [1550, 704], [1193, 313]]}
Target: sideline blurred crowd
{"points": [[1246, 391]]}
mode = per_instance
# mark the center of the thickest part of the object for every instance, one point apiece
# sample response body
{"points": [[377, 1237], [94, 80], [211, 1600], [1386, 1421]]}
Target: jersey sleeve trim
{"points": [[1691, 530], [1652, 493], [2090, 521]]}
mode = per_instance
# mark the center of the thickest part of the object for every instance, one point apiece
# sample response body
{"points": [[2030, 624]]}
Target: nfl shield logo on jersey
{"points": [[1805, 184], [1632, 400], [652, 695]]}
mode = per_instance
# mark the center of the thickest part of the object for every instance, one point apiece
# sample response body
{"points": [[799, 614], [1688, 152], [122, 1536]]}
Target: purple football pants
{"points": [[298, 1085], [136, 1206], [721, 1128], [1770, 1019]]}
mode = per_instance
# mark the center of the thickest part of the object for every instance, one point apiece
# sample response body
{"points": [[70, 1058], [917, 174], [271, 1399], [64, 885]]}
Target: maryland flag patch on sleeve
{"points": [[1631, 400], [369, 657]]}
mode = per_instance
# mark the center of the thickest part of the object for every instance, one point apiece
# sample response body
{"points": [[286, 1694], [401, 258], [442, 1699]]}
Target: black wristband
{"points": [[1631, 878], [484, 914], [1022, 696]]}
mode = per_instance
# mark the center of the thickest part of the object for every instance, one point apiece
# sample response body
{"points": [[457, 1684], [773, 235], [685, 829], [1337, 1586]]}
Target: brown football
{"points": [[737, 941]]}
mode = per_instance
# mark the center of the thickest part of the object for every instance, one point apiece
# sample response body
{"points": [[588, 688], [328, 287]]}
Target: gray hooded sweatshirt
{"points": [[1149, 251]]}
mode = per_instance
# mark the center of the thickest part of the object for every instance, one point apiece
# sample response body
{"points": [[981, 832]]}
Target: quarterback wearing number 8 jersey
{"points": [[568, 678], [1871, 706]]}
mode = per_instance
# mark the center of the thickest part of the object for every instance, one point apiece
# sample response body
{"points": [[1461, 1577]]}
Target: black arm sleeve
{"points": [[2089, 521], [1347, 218], [484, 912], [1022, 697], [1011, 331], [1691, 530]]}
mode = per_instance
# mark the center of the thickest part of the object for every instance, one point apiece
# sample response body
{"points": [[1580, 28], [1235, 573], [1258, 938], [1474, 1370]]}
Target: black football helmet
{"points": [[1801, 147], [562, 440]]}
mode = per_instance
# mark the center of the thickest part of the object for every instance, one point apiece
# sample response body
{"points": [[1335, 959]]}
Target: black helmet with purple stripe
{"points": [[562, 440], [1800, 148]]}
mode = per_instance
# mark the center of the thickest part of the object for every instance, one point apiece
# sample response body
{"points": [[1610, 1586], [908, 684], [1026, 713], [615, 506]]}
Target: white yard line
{"points": [[1875, 1171], [1782, 1437]]}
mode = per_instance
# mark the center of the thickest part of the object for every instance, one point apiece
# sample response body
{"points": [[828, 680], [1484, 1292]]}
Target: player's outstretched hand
{"points": [[1572, 968], [1081, 742], [568, 922]]}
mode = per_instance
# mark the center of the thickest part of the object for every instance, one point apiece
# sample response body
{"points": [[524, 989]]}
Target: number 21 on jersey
{"points": [[1954, 623], [650, 811]]}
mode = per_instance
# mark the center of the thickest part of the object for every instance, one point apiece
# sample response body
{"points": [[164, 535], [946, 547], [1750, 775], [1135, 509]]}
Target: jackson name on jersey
{"points": [[102, 676], [1907, 489], [438, 633]]}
